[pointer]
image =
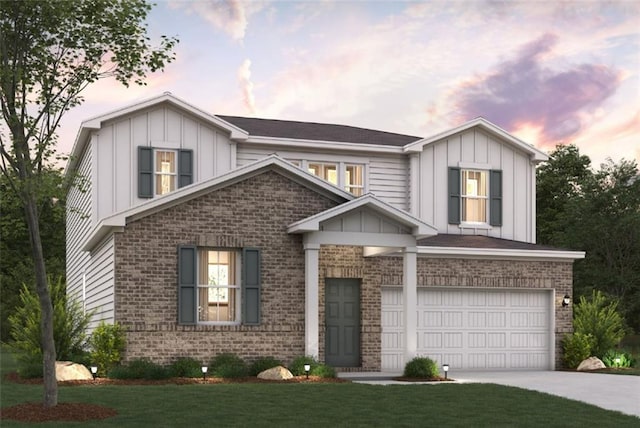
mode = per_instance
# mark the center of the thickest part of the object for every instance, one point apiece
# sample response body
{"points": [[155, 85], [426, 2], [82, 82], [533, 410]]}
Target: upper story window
{"points": [[161, 171], [348, 176], [165, 171], [475, 197]]}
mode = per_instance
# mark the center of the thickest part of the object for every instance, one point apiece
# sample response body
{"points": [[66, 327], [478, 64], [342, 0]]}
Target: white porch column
{"points": [[311, 312], [410, 296]]}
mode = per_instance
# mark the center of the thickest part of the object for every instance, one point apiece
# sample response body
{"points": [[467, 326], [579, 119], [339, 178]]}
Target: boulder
{"points": [[591, 363], [68, 370], [276, 373]]}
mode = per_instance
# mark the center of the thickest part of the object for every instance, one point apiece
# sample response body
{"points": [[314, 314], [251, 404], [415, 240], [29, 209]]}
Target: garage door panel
{"points": [[473, 328]]}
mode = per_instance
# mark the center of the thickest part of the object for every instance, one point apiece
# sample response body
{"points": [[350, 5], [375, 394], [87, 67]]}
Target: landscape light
{"points": [[445, 367], [94, 371], [204, 372], [307, 367]]}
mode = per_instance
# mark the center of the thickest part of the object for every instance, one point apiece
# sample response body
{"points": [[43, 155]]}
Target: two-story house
{"points": [[204, 234]]}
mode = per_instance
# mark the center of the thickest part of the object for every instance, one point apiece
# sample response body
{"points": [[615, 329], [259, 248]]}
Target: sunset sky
{"points": [[547, 71]]}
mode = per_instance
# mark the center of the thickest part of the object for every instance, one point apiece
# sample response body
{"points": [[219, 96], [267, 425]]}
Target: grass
{"points": [[320, 405]]}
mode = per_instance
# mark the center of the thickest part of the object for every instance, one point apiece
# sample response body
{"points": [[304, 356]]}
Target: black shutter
{"points": [[187, 284], [251, 283], [454, 195], [145, 172], [185, 167], [495, 198]]}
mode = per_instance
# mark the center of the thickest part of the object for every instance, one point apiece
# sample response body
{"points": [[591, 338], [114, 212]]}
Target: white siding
{"points": [[386, 175], [478, 148], [162, 127], [78, 224], [100, 283]]}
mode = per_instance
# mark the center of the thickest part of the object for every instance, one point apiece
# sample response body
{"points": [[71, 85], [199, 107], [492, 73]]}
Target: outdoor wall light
{"points": [[307, 367], [566, 300], [204, 372], [445, 367], [94, 371]]}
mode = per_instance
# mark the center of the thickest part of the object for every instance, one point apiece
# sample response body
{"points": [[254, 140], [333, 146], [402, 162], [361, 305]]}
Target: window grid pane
{"points": [[354, 179]]}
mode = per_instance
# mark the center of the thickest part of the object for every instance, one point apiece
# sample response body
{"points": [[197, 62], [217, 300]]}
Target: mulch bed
{"points": [[79, 412], [417, 379]]}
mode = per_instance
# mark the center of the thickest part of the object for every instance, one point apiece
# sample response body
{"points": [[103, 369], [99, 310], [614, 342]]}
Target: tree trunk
{"points": [[50, 398]]}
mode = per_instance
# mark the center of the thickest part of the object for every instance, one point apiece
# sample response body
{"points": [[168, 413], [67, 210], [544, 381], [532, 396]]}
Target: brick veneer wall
{"points": [[251, 213], [347, 262]]}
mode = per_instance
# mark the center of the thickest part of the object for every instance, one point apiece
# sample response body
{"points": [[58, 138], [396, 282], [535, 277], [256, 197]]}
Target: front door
{"points": [[342, 318]]}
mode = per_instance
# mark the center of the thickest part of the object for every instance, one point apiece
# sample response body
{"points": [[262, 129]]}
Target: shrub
{"points": [[69, 326], [317, 369], [601, 319], [324, 371], [139, 369], [106, 345], [185, 367], [262, 364], [576, 347], [421, 367], [297, 365], [228, 365], [624, 359]]}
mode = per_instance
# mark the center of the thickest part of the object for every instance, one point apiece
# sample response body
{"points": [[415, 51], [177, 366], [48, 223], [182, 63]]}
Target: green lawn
{"points": [[320, 405]]}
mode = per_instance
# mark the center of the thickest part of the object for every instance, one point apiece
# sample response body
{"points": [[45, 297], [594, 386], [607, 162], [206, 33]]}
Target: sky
{"points": [[549, 72]]}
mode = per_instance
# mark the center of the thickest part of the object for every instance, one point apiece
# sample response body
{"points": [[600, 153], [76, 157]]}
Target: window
{"points": [[328, 172], [218, 288], [354, 182], [475, 196], [165, 171], [161, 171], [349, 177]]}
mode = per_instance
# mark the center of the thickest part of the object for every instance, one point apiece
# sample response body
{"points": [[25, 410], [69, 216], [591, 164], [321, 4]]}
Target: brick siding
{"points": [[252, 213], [255, 213]]}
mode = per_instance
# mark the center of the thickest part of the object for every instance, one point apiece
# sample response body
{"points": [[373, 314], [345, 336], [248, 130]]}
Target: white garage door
{"points": [[471, 328]]}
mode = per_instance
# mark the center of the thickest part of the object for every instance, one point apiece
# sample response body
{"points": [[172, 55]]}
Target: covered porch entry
{"points": [[379, 229]]}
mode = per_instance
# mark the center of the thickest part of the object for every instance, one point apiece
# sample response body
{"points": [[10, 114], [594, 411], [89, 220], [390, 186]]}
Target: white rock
{"points": [[591, 363], [68, 370], [276, 373]]}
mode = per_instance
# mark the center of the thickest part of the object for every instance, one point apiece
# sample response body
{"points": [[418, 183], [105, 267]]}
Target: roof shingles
{"points": [[317, 131]]}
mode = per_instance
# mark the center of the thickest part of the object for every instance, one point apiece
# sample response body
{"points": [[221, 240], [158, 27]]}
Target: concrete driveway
{"points": [[611, 392]]}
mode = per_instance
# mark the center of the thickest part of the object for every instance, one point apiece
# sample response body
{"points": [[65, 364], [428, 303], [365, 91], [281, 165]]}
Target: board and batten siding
{"points": [[386, 175], [476, 147], [116, 153]]}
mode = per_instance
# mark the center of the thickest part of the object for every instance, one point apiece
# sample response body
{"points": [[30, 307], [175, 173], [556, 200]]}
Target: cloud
{"points": [[524, 93], [230, 16], [246, 85]]}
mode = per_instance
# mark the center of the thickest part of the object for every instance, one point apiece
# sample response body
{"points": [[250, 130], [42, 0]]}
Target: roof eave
{"points": [[500, 253]]}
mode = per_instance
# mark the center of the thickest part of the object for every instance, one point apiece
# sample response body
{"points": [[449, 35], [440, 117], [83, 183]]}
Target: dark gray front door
{"points": [[342, 317]]}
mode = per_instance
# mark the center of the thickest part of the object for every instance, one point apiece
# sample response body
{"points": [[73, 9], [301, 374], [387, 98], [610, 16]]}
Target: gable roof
{"points": [[418, 228], [95, 123], [482, 123], [272, 162], [317, 131]]}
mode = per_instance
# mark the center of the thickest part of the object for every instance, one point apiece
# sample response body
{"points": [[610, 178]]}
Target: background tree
{"points": [[558, 181], [16, 263], [601, 216], [50, 51]]}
